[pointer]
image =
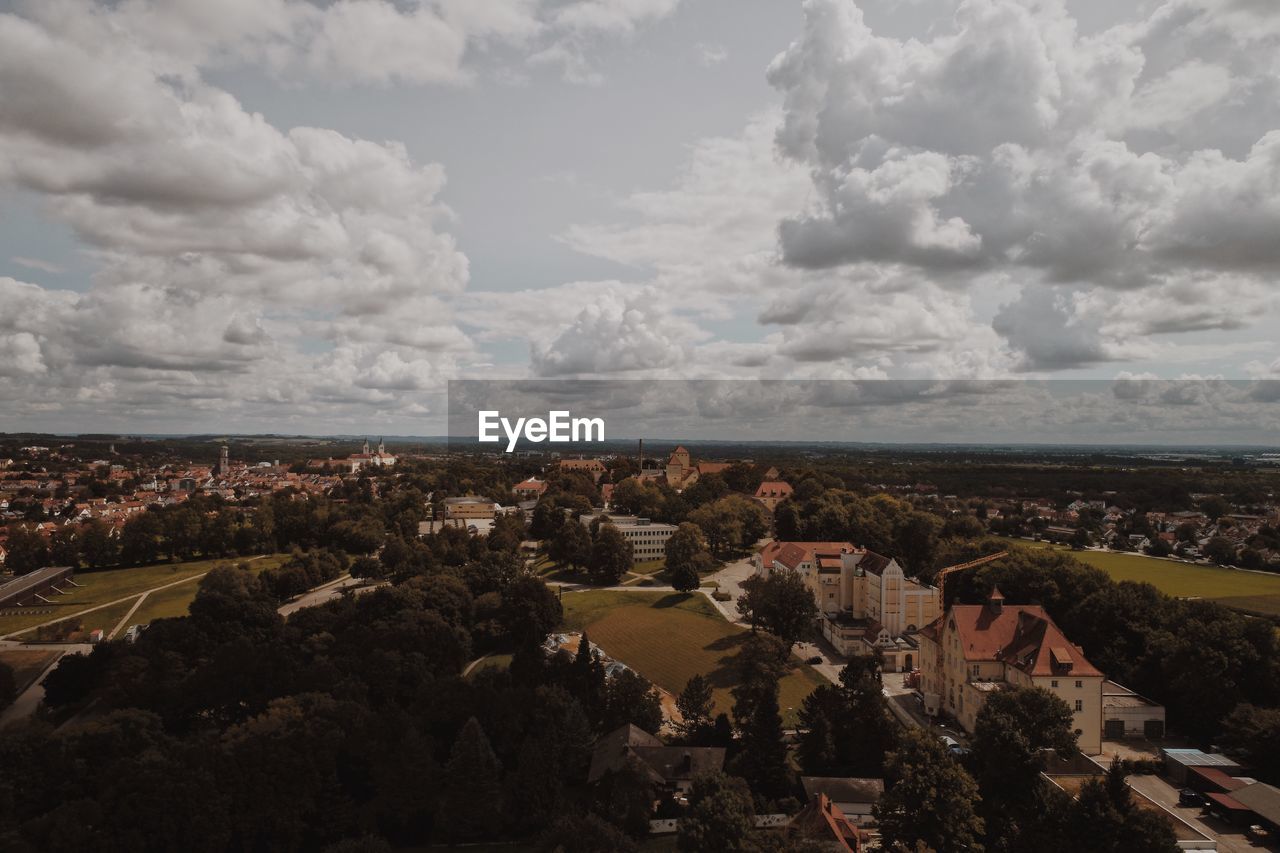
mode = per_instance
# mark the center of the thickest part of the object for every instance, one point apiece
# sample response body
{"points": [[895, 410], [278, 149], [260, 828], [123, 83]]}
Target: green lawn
{"points": [[105, 618], [669, 637], [101, 587], [649, 567], [1183, 580]]}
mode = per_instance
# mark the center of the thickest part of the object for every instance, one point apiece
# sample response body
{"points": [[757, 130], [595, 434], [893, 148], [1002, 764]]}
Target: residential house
{"points": [[855, 797], [773, 492], [671, 768], [529, 489], [823, 821]]}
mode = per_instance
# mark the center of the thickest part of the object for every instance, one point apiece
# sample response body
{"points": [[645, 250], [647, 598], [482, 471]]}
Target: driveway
{"points": [[729, 580], [1231, 839]]}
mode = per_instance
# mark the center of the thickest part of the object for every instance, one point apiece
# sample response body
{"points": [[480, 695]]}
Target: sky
{"points": [[307, 217]]}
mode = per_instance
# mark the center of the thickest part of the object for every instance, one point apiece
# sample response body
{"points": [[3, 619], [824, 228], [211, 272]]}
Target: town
{"points": [[642, 649]]}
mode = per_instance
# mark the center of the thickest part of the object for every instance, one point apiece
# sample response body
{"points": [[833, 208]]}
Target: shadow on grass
{"points": [[672, 600]]}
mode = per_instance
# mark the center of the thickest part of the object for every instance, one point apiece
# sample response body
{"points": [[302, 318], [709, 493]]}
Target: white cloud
{"points": [[1005, 142]]}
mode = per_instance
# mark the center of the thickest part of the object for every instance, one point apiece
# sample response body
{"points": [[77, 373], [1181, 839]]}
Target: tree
{"points": [[930, 799], [1215, 507], [696, 705], [687, 556], [630, 698], [1010, 735], [1220, 550], [762, 760], [1103, 818], [720, 816], [570, 545], [847, 729], [530, 610], [586, 678], [583, 834], [1254, 734], [8, 687], [781, 604], [472, 789], [915, 541], [611, 556], [98, 547], [27, 550], [141, 539], [625, 797]]}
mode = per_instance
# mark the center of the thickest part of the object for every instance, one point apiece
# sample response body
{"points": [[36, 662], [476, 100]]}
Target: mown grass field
{"points": [[102, 587], [27, 664], [670, 637], [1184, 580]]}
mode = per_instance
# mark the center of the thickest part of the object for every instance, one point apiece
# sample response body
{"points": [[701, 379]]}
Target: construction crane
{"points": [[941, 577]]}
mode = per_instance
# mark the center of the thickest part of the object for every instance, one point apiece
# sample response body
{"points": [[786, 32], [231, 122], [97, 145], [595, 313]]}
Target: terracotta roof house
{"points": [[975, 649], [822, 820]]}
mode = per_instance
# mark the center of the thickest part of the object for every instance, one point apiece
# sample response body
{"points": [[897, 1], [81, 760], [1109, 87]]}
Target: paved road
{"points": [[327, 592], [1231, 839], [30, 699]]}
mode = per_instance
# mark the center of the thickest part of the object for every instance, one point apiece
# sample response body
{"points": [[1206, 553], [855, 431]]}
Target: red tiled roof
{"points": [[792, 554], [774, 488], [1022, 636]]}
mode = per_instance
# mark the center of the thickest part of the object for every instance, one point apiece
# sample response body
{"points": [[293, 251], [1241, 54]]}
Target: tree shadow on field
{"points": [[671, 600], [728, 671]]}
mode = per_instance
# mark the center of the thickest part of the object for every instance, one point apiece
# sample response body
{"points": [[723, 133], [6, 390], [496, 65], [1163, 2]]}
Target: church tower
{"points": [[365, 447], [224, 462], [382, 447]]}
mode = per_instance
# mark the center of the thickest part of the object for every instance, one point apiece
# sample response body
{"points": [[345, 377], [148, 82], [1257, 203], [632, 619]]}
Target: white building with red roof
{"points": [[976, 649]]}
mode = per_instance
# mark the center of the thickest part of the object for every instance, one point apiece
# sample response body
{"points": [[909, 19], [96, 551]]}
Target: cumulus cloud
{"points": [[227, 250], [1006, 141]]}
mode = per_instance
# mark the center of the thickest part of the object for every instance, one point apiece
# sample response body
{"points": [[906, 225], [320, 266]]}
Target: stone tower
{"points": [[224, 461]]}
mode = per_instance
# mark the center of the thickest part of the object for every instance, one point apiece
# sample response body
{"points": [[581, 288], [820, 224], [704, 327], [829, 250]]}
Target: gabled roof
{"points": [[1260, 798], [792, 554], [612, 749], [844, 789], [774, 488], [1020, 635], [823, 820]]}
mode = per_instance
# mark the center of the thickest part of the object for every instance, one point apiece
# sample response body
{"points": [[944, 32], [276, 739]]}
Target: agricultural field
{"points": [[117, 589], [669, 637], [1244, 590]]}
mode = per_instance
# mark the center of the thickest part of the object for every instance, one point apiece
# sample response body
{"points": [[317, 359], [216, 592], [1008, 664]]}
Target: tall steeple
{"points": [[365, 447], [224, 461], [382, 446]]}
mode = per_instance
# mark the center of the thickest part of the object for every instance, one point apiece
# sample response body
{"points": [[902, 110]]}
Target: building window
{"points": [[1079, 684], [1079, 705], [975, 669], [1054, 684]]}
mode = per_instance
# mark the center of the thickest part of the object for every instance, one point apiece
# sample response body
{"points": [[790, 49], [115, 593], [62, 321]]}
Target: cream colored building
{"points": [[974, 650], [470, 507], [866, 600], [648, 538]]}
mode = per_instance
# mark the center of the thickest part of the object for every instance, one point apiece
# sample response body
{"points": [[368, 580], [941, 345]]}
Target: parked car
{"points": [[1190, 798], [1257, 832]]}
